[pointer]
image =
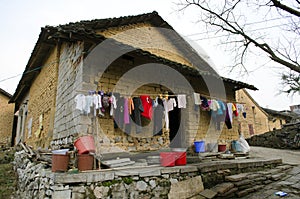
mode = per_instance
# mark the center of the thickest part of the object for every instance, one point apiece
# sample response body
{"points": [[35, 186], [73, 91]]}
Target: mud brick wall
{"points": [[148, 38], [41, 104], [255, 116], [6, 120]]}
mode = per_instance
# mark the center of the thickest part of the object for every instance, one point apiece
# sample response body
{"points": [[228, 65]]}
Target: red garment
{"points": [[147, 105]]}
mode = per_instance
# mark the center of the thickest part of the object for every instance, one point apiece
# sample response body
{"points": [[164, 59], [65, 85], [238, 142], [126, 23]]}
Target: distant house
{"points": [[6, 118], [259, 120], [61, 70], [295, 109]]}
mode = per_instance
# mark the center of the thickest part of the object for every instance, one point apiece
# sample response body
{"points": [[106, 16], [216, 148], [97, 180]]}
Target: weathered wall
{"points": [[41, 104], [35, 180], [145, 36], [69, 83], [255, 116], [6, 120]]}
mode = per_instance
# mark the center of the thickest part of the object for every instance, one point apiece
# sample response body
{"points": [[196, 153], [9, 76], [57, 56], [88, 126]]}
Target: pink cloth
{"points": [[126, 111]]}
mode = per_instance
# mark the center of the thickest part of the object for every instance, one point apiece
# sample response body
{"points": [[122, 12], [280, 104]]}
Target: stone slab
{"points": [[116, 161], [208, 193], [223, 187], [100, 176], [66, 194], [168, 170], [150, 172], [188, 169], [236, 178], [70, 178], [186, 189]]}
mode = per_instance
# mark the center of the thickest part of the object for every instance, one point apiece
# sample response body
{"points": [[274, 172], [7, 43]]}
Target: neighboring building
{"points": [[71, 60], [259, 120], [295, 109], [6, 118], [279, 118]]}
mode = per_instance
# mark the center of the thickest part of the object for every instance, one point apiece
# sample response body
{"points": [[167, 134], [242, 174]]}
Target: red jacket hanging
{"points": [[147, 105]]}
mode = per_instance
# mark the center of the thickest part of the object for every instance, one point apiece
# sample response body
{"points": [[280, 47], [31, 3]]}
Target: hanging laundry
{"points": [[119, 114], [166, 113], [136, 114], [221, 113], [80, 102], [89, 102], [228, 121], [126, 111], [230, 111], [130, 105], [113, 106], [240, 108], [171, 104], [234, 110], [204, 103], [158, 113], [155, 102], [197, 99], [213, 105], [222, 108], [147, 104], [182, 101]]}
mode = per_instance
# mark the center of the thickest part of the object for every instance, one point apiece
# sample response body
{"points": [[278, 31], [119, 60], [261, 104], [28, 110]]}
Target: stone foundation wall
{"points": [[35, 179]]}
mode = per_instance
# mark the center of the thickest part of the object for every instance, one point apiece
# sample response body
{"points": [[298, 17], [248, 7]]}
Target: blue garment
{"points": [[222, 109]]}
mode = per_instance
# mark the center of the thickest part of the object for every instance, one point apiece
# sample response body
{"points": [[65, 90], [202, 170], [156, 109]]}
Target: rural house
{"points": [[6, 118], [120, 62], [259, 120]]}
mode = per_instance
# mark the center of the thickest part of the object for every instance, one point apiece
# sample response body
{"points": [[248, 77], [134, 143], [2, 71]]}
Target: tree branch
{"points": [[288, 9]]}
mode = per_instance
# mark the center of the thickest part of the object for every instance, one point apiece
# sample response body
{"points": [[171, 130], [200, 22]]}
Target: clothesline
{"points": [[171, 95], [225, 100]]}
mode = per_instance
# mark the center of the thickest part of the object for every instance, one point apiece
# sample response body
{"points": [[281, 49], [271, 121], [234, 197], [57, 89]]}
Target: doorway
{"points": [[176, 133]]}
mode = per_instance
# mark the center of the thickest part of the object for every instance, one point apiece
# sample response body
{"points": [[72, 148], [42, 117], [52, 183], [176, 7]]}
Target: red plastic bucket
{"points": [[222, 147], [85, 144], [60, 162], [180, 158], [85, 162], [167, 159]]}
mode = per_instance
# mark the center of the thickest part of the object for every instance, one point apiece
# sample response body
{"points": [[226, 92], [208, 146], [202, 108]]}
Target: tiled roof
{"points": [[86, 31], [5, 93]]}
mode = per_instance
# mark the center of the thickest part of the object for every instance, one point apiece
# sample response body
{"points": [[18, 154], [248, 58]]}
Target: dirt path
{"points": [[287, 156]]}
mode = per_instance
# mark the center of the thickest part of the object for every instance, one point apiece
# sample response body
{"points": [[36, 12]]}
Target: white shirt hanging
{"points": [[181, 101]]}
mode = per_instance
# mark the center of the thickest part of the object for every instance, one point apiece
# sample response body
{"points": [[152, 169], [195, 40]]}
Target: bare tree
{"points": [[233, 18]]}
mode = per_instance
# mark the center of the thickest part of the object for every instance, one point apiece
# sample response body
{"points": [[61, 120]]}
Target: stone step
{"points": [[242, 184]]}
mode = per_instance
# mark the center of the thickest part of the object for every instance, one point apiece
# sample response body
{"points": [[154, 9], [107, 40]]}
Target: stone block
{"points": [[78, 196], [243, 182], [235, 178], [67, 178], [208, 193], [278, 176], [223, 187], [295, 171], [150, 172], [141, 186], [247, 191], [186, 189], [188, 169], [66, 194], [101, 192], [99, 176], [169, 170]]}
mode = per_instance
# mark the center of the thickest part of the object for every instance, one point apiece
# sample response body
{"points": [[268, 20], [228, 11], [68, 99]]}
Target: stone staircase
{"points": [[242, 184]]}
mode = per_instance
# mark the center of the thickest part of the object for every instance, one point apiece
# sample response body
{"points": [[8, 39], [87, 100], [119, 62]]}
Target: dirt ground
{"points": [[287, 156]]}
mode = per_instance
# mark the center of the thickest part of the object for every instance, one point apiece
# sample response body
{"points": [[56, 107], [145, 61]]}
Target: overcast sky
{"points": [[21, 22]]}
